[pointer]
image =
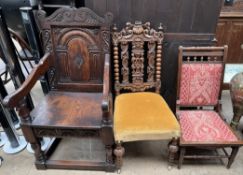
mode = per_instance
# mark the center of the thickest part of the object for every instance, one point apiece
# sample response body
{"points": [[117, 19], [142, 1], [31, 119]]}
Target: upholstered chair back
{"points": [[200, 77]]}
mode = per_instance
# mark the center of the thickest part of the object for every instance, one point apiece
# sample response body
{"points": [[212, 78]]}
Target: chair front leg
{"points": [[232, 156], [30, 136], [119, 152], [36, 146], [108, 140]]}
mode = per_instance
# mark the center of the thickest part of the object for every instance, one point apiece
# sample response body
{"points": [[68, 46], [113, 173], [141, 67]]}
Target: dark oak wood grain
{"points": [[13, 99], [76, 43]]}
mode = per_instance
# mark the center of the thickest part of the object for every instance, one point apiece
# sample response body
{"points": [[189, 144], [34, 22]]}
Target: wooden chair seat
{"points": [[205, 127], [69, 109], [143, 116]]}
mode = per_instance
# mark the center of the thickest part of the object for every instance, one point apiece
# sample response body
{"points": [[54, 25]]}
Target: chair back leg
{"points": [[173, 150], [181, 157]]}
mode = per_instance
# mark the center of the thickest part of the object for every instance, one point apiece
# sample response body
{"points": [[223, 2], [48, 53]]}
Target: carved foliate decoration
{"points": [[83, 15], [66, 29], [138, 87], [105, 35], [51, 76], [40, 132], [151, 61], [138, 36], [71, 17], [46, 36], [125, 57]]}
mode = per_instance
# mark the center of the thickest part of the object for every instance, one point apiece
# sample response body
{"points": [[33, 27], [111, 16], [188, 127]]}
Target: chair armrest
{"points": [[106, 88], [13, 99]]}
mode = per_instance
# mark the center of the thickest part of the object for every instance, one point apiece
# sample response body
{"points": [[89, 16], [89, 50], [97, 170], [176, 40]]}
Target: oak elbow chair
{"points": [[76, 43], [200, 77], [139, 115]]}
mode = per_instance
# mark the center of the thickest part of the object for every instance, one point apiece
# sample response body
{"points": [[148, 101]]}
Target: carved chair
{"points": [[200, 77], [76, 44], [141, 114]]}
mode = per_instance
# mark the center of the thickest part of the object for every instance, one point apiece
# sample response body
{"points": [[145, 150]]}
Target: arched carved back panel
{"points": [[78, 40], [137, 57]]}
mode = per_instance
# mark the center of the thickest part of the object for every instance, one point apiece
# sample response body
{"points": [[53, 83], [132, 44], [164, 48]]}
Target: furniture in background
{"points": [[13, 143], [200, 75], [76, 45], [230, 32], [139, 115], [236, 91], [23, 53]]}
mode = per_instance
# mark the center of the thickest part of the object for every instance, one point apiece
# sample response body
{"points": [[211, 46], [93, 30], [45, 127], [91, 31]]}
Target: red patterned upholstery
{"points": [[204, 126], [200, 84]]}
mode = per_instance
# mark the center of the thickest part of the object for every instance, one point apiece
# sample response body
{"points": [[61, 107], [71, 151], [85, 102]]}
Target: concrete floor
{"points": [[140, 157]]}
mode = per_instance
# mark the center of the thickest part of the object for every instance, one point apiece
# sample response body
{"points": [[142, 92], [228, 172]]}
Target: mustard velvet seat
{"points": [[143, 116]]}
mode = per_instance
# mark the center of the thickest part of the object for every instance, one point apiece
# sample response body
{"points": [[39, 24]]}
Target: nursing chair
{"points": [[140, 112], [77, 45], [200, 77]]}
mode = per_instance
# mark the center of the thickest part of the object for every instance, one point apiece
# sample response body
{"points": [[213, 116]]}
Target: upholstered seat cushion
{"points": [[204, 126], [143, 116]]}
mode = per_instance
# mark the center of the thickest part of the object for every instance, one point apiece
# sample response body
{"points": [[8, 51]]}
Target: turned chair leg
{"points": [[173, 149], [181, 156], [36, 146], [119, 152], [232, 156]]}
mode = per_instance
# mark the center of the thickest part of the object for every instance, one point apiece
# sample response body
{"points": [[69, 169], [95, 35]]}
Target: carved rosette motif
{"points": [[138, 35]]}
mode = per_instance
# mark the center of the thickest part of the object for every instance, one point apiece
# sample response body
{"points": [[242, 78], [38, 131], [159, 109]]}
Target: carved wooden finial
{"points": [[114, 28], [138, 23], [160, 28]]}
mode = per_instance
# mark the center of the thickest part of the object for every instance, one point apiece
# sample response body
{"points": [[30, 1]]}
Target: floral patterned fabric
{"points": [[204, 126], [200, 84]]}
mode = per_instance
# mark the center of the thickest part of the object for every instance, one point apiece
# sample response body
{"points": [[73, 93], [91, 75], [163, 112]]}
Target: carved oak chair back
{"points": [[78, 40], [138, 67]]}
